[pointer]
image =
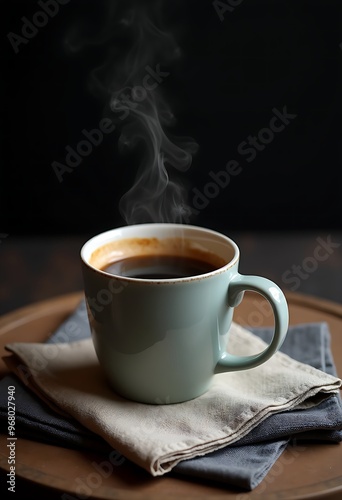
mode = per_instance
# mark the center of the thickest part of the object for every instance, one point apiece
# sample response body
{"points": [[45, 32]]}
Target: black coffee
{"points": [[159, 267]]}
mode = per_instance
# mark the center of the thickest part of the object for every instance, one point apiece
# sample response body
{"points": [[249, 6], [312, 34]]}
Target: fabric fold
{"points": [[68, 377]]}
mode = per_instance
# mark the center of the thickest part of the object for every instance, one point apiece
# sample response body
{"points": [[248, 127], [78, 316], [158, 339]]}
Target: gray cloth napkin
{"points": [[163, 438], [246, 463]]}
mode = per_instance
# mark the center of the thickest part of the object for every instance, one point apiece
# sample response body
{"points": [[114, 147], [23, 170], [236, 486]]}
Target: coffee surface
{"points": [[159, 267]]}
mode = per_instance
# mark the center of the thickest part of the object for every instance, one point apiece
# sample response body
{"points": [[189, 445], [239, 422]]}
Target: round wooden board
{"points": [[45, 471]]}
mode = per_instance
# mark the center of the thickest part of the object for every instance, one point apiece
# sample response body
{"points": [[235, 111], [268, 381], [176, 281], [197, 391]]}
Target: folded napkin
{"points": [[233, 433]]}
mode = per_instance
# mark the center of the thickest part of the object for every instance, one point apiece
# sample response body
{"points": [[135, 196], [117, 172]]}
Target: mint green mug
{"points": [[160, 300]]}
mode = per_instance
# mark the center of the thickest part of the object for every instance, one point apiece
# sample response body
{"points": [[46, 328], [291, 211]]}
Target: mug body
{"points": [[159, 340]]}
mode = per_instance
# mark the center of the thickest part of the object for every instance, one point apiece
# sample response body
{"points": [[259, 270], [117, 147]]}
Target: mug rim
{"points": [[100, 239]]}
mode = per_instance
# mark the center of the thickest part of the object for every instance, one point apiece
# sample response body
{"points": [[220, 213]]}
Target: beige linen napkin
{"points": [[157, 437]]}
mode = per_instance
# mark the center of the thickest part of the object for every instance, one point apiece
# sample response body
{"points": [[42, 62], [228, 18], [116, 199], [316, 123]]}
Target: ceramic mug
{"points": [[162, 340]]}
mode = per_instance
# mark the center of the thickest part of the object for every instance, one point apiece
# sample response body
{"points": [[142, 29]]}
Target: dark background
{"points": [[222, 88], [225, 78]]}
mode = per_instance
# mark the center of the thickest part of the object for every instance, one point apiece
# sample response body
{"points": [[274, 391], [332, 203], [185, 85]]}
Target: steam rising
{"points": [[137, 67], [156, 195]]}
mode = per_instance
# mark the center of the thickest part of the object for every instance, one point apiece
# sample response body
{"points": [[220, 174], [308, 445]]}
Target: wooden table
{"points": [[45, 471]]}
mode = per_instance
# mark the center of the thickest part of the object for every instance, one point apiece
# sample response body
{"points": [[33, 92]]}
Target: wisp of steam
{"points": [[132, 78], [156, 195]]}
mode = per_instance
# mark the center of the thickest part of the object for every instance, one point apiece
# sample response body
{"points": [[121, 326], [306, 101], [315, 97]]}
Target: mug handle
{"points": [[265, 287]]}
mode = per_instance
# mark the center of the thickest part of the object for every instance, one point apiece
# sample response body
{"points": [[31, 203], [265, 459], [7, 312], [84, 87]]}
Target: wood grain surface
{"points": [[45, 471]]}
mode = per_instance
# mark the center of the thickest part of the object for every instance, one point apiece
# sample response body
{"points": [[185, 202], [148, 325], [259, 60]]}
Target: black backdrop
{"points": [[229, 69]]}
